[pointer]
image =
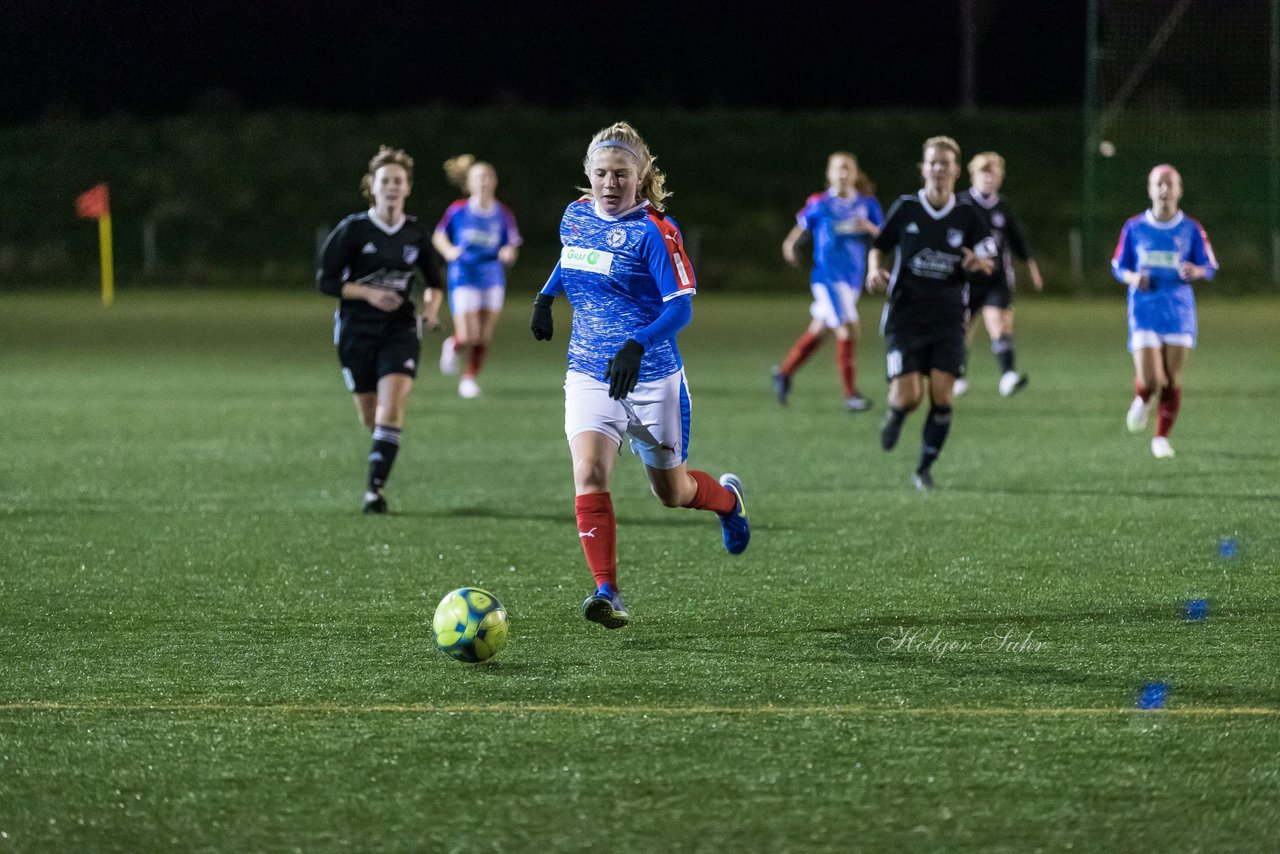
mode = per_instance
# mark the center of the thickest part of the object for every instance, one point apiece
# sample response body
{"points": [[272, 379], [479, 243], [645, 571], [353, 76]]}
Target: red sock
{"points": [[847, 363], [1141, 391], [1170, 403], [711, 495], [598, 531], [476, 361], [800, 352]]}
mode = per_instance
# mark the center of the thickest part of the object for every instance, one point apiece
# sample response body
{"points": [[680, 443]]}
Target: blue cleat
{"points": [[781, 385], [606, 608], [737, 533]]}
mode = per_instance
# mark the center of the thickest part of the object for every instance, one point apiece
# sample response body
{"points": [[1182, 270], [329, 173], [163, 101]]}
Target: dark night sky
{"points": [[156, 58]]}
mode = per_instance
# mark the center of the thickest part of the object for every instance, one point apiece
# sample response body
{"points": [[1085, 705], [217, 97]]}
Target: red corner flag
{"points": [[93, 204]]}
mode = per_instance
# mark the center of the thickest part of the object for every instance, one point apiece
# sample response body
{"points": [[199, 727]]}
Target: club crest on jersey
{"points": [[955, 237], [587, 260], [912, 228], [997, 219], [615, 237], [410, 254], [369, 249]]}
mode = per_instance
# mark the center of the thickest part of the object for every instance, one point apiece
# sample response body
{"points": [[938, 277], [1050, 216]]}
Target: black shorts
{"points": [[916, 352], [367, 355], [995, 294]]}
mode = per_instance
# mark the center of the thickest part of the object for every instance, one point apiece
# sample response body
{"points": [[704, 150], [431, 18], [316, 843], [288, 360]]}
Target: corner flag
{"points": [[95, 204]]}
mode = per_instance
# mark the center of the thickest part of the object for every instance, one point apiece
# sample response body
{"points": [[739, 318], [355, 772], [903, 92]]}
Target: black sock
{"points": [[935, 434], [1003, 348], [892, 427], [386, 441]]}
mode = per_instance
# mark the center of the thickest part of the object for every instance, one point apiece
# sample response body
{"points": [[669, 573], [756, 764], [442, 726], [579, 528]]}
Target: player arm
{"points": [[332, 266], [1124, 263], [1022, 248], [792, 241], [884, 242], [874, 220], [676, 314], [1203, 264], [510, 249], [541, 324], [440, 240]]}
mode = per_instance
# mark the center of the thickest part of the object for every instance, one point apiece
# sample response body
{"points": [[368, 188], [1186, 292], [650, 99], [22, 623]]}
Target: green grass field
{"points": [[207, 647]]}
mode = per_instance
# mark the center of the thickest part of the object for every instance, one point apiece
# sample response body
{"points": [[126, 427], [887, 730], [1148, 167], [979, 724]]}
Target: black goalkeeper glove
{"points": [[541, 322], [624, 369]]}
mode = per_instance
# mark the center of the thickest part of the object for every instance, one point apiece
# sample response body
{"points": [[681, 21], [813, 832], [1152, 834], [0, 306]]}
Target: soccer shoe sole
{"points": [[597, 609]]}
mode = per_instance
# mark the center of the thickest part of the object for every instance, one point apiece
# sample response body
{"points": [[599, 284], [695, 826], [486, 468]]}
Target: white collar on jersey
{"points": [[1175, 221], [833, 194], [987, 202], [475, 206], [382, 226], [609, 218], [941, 212]]}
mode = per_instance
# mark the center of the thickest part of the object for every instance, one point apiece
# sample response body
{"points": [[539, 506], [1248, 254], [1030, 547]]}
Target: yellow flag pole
{"points": [[104, 247]]}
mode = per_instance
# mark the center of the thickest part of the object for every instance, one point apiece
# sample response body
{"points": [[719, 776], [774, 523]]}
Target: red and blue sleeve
{"points": [[446, 222], [664, 254], [512, 236], [1202, 251], [1125, 259]]}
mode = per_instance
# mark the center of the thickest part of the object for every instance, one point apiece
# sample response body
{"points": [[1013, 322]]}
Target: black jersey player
{"points": [[993, 295], [938, 243], [369, 262]]}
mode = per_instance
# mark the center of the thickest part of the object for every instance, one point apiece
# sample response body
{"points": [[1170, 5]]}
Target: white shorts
{"points": [[1146, 339], [655, 416], [465, 299], [835, 305]]}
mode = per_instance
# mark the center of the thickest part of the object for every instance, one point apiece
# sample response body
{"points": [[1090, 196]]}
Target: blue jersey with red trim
{"points": [[617, 273], [480, 234], [1157, 248], [839, 249]]}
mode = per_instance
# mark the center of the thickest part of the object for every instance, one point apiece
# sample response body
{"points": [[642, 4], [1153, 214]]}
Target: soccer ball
{"points": [[470, 624]]}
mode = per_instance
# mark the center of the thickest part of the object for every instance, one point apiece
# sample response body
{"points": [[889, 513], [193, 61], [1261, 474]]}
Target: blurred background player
{"points": [[625, 271], [478, 237], [993, 294], [842, 221], [369, 262], [938, 242], [1160, 253]]}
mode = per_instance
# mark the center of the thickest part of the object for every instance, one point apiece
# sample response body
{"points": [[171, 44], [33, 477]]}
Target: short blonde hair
{"points": [[944, 142], [986, 160], [386, 156], [653, 183]]}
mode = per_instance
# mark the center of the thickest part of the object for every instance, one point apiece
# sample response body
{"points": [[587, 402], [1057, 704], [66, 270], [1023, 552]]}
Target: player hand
{"points": [[541, 324], [430, 322], [789, 254], [507, 255], [383, 299], [623, 371], [877, 279], [1189, 272], [1141, 280]]}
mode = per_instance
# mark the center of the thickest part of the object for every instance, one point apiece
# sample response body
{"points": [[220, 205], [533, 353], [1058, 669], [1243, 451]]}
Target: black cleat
{"points": [[375, 502], [923, 480], [781, 385], [890, 430]]}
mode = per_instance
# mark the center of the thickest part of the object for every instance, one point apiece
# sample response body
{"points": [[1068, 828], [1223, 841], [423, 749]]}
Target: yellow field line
{"points": [[674, 711]]}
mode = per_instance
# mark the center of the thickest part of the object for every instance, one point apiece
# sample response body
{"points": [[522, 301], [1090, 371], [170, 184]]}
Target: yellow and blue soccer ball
{"points": [[470, 624]]}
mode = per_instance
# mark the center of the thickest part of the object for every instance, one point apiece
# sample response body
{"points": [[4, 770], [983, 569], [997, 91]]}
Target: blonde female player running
{"points": [[478, 237], [939, 243], [993, 294], [842, 220], [1160, 253], [625, 271]]}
